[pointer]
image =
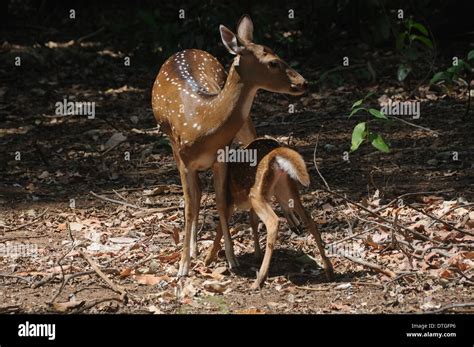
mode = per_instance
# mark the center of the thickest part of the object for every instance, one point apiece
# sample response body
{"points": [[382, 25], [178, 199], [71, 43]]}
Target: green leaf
{"points": [[400, 42], [403, 72], [358, 136], [357, 103], [470, 55], [426, 41], [354, 111], [440, 76], [378, 142], [420, 27], [368, 94], [377, 113]]}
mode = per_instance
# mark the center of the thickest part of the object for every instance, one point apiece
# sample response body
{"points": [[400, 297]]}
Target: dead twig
{"points": [[352, 236], [417, 126], [440, 220], [73, 245], [21, 278], [101, 197], [88, 36], [314, 160], [386, 220], [146, 212], [450, 210], [410, 194], [314, 289], [113, 286], [29, 223], [368, 264], [90, 304], [451, 306]]}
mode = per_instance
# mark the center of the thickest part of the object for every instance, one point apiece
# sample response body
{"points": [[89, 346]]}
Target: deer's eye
{"points": [[273, 64]]}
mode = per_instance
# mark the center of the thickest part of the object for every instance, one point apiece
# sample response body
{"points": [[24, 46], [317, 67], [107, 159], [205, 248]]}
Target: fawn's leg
{"points": [[284, 194], [219, 170], [256, 241], [309, 222], [270, 219], [192, 198], [216, 245]]}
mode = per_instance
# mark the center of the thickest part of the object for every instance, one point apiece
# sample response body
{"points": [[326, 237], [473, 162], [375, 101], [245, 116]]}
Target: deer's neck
{"points": [[234, 104], [226, 115]]}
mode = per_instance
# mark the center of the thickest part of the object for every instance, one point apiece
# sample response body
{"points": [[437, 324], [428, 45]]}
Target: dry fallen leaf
{"points": [[74, 226], [125, 272], [150, 280], [66, 306], [215, 286], [251, 310]]}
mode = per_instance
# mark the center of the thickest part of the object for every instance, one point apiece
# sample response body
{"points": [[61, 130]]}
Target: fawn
{"points": [[201, 109], [251, 188]]}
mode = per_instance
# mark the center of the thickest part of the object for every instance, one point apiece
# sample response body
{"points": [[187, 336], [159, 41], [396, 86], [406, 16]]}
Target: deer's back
{"points": [[186, 84]]}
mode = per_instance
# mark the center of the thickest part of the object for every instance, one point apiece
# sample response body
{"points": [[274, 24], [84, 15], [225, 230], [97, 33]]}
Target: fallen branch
{"points": [[416, 125], [90, 304], [88, 36], [368, 264], [146, 212], [101, 197], [314, 160], [410, 194], [73, 245], [386, 220], [314, 289], [440, 220], [451, 306], [29, 223], [113, 286], [451, 210], [24, 279], [352, 236]]}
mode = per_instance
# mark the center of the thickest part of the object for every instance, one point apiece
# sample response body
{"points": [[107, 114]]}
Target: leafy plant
{"points": [[461, 70], [362, 132], [411, 43]]}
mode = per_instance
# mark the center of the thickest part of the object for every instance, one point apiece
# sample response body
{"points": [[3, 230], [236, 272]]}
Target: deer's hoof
{"points": [[256, 285]]}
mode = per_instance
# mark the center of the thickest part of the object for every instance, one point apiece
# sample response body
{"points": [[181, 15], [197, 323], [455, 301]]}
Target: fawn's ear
{"points": [[245, 28], [230, 41]]}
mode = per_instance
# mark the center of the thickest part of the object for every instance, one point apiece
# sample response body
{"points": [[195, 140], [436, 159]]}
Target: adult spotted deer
{"points": [[251, 188], [201, 109]]}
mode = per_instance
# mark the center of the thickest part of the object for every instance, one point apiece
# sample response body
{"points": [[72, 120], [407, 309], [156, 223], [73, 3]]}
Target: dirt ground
{"points": [[51, 199]]}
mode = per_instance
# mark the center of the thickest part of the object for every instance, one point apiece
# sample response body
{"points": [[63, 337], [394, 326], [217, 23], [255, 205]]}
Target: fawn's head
{"points": [[259, 65]]}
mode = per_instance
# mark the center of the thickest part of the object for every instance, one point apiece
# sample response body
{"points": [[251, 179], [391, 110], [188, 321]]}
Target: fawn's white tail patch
{"points": [[287, 166]]}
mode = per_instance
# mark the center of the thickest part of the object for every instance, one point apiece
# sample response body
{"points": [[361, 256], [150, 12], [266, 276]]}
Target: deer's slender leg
{"points": [[309, 222], [270, 219], [285, 193], [196, 203], [219, 170], [216, 245], [254, 225], [192, 197]]}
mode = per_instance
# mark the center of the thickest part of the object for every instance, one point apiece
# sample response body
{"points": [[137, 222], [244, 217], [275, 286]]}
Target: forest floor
{"points": [[56, 170]]}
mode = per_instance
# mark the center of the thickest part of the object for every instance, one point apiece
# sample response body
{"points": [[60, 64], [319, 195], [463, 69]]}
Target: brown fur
{"points": [[251, 188], [201, 111]]}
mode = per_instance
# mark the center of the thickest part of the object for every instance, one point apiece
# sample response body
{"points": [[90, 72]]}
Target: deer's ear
{"points": [[245, 28], [230, 41]]}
